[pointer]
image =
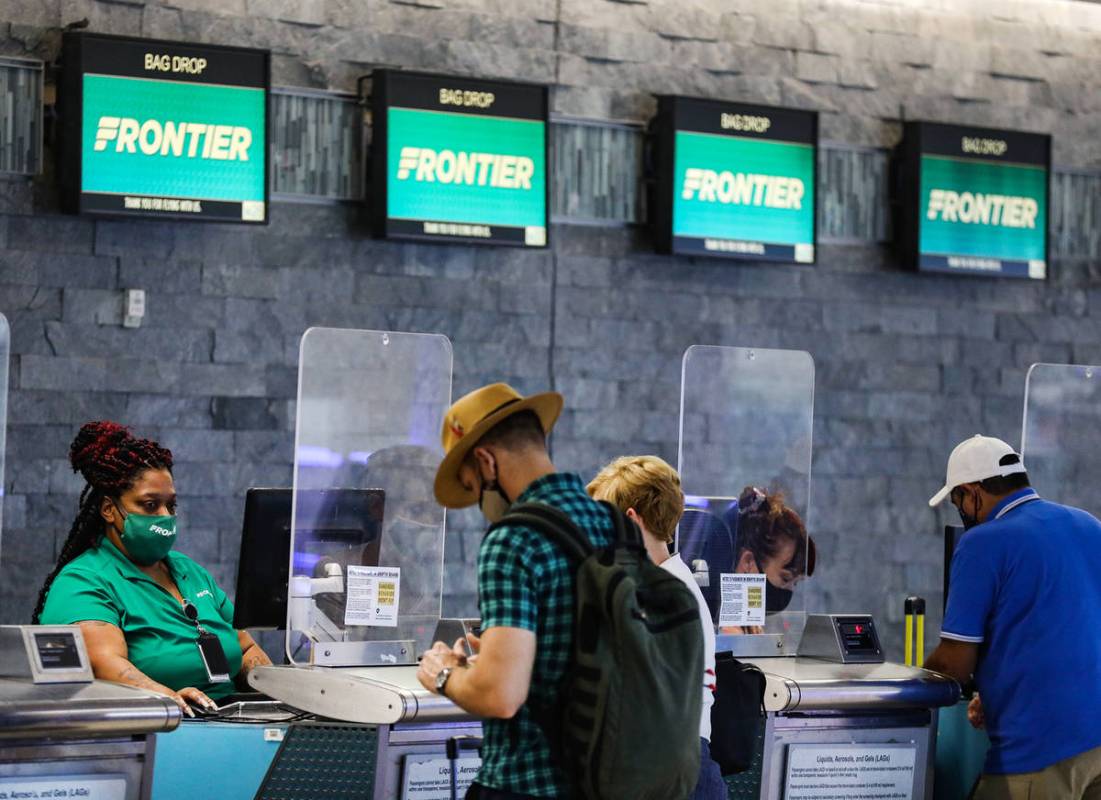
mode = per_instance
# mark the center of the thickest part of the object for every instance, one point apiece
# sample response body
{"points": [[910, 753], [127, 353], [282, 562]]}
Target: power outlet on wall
{"points": [[133, 308]]}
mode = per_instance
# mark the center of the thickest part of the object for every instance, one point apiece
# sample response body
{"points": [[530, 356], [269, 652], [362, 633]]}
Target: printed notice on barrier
{"points": [[372, 596], [850, 772], [430, 778], [86, 787], [743, 599]]}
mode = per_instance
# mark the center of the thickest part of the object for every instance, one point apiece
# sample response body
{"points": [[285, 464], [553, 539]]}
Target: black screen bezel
{"points": [[677, 112], [385, 83], [71, 105], [938, 138]]}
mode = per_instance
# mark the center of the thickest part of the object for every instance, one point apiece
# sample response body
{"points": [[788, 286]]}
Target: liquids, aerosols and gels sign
{"points": [[735, 180], [975, 200], [459, 159], [164, 129]]}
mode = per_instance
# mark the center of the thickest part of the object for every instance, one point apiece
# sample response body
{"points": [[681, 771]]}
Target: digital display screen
{"points": [[975, 200], [459, 159], [57, 651], [164, 129], [735, 180], [858, 635]]}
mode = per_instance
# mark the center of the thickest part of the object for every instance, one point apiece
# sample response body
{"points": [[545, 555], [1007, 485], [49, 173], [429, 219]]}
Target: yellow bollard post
{"points": [[908, 658], [919, 656], [914, 652]]}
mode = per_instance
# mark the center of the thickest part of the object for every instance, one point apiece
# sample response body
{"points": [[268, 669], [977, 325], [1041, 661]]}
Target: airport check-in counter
{"points": [[826, 722], [64, 734], [365, 587], [816, 710], [412, 724]]}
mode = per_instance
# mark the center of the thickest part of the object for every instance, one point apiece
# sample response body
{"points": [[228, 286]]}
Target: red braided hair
{"points": [[111, 460]]}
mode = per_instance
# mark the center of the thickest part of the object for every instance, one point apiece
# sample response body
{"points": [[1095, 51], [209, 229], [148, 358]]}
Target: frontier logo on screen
{"points": [[178, 139], [736, 180], [463, 159], [771, 191], [981, 199], [467, 169], [165, 129]]}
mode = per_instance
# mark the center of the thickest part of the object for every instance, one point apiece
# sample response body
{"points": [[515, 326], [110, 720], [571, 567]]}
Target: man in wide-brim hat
{"points": [[495, 454]]}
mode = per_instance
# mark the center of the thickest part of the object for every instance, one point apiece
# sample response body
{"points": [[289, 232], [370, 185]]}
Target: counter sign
{"points": [[164, 129], [457, 159], [734, 180], [975, 200]]}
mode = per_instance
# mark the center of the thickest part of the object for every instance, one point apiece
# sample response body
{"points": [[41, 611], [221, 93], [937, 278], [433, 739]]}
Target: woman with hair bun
{"points": [[151, 617], [771, 539]]}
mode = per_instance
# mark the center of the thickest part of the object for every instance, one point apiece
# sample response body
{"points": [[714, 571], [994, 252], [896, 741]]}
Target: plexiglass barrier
{"points": [[367, 542], [1061, 433], [746, 423], [5, 346]]}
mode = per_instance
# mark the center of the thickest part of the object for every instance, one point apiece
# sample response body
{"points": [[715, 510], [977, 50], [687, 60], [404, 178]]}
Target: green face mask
{"points": [[148, 537]]}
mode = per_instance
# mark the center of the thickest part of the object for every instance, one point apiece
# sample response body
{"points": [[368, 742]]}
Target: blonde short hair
{"points": [[648, 485]]}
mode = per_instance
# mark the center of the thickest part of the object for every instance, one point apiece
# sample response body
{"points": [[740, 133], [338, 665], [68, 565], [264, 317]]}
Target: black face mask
{"points": [[968, 521], [776, 598]]}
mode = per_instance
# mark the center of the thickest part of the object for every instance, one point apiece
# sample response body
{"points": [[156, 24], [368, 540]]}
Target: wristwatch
{"points": [[441, 680]]}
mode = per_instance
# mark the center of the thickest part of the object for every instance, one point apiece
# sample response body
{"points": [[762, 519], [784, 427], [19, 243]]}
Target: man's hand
{"points": [[433, 661], [975, 713], [466, 649]]}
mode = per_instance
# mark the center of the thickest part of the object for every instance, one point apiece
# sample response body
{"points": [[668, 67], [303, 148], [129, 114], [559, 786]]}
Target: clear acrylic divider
{"points": [[746, 421], [5, 347], [366, 569], [1061, 433]]}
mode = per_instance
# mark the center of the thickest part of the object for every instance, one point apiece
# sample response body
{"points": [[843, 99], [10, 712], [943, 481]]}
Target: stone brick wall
{"points": [[907, 364]]}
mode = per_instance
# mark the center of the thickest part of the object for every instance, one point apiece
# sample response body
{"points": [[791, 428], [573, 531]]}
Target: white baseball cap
{"points": [[977, 459]]}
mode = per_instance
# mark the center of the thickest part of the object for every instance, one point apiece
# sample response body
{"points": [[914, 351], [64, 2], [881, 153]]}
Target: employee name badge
{"points": [[214, 657], [743, 599], [372, 597]]}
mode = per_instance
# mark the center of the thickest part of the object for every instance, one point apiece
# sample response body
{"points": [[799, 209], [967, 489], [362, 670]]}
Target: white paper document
{"points": [[850, 772], [430, 778], [372, 596], [86, 787], [743, 599]]}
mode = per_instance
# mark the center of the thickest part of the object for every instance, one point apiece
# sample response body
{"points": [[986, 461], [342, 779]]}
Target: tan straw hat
{"points": [[470, 418]]}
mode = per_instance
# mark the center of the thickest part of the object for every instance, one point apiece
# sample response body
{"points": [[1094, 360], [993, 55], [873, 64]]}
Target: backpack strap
{"points": [[555, 524]]}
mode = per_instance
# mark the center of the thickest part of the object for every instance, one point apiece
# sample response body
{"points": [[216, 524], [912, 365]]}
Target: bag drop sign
{"points": [[735, 180], [459, 159], [977, 200], [165, 129], [850, 772]]}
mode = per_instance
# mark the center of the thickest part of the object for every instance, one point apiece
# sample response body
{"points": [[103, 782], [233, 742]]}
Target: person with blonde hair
{"points": [[648, 491]]}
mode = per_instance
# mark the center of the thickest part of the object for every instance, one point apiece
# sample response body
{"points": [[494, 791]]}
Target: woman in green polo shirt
{"points": [[142, 608]]}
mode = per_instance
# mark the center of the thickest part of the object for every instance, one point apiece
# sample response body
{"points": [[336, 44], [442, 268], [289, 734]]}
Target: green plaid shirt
{"points": [[524, 581]]}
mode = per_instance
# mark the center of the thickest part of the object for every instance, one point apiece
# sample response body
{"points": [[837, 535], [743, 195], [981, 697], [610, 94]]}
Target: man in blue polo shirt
{"points": [[1023, 617]]}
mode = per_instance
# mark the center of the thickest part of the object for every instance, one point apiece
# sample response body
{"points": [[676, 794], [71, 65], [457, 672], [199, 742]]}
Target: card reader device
{"points": [[841, 638], [44, 654]]}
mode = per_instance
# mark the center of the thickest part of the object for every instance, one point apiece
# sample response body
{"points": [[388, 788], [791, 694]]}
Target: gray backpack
{"points": [[628, 722]]}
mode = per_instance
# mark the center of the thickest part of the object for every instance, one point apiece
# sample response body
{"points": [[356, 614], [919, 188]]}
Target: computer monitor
{"points": [[952, 534], [346, 526]]}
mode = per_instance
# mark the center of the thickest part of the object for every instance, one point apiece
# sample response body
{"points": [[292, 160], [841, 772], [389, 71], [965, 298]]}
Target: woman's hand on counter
{"points": [[190, 696]]}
